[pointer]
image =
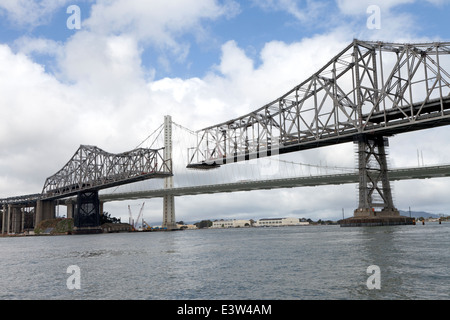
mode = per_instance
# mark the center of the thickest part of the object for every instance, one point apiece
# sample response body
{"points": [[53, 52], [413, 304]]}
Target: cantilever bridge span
{"points": [[89, 170], [366, 93], [92, 169], [370, 88]]}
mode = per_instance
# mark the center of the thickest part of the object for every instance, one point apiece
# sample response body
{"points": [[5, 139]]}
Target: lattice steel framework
{"points": [[87, 210], [369, 87], [374, 186], [91, 168]]}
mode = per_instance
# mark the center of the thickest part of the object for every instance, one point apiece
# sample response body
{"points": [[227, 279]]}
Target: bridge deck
{"points": [[338, 179]]}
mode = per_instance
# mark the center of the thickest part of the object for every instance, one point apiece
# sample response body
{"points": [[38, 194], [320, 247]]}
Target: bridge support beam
{"points": [[376, 205]]}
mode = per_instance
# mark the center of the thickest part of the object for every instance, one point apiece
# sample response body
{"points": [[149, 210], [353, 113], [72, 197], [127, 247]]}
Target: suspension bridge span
{"points": [[367, 93], [424, 172]]}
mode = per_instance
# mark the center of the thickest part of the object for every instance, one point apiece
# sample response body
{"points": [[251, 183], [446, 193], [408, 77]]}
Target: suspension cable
{"points": [[145, 140]]}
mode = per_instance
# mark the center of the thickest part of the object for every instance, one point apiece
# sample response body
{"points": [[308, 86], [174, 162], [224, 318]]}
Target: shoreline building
{"points": [[280, 222], [231, 223], [273, 222]]}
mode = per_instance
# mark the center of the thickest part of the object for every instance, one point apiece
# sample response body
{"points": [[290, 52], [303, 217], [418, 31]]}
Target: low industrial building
{"points": [[280, 222], [274, 222], [231, 223]]}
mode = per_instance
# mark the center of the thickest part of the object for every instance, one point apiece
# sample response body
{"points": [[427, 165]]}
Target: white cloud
{"points": [[159, 23], [30, 13], [37, 108], [41, 46]]}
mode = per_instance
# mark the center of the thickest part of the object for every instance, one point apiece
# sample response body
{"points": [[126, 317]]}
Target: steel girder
{"points": [[91, 168], [369, 87], [24, 200]]}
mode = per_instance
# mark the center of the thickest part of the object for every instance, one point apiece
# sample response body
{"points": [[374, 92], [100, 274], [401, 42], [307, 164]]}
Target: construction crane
{"points": [[131, 221], [139, 216], [146, 226]]}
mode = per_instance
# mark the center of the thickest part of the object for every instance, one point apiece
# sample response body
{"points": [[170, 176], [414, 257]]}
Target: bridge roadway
{"points": [[438, 171]]}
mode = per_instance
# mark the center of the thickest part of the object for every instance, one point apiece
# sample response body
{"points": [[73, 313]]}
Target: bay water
{"points": [[275, 263]]}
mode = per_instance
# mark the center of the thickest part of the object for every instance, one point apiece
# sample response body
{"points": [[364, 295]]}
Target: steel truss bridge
{"points": [[92, 169], [366, 93], [369, 88], [89, 170]]}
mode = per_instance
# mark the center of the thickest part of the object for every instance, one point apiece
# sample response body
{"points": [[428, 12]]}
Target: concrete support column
{"points": [[16, 217], [70, 209], [5, 210], [22, 226], [45, 210], [169, 212], [169, 200], [8, 215]]}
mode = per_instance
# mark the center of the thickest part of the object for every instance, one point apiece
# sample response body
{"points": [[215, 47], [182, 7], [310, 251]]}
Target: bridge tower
{"points": [[169, 200], [376, 205], [374, 186]]}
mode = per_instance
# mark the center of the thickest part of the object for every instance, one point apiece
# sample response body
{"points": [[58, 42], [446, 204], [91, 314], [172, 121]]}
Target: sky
{"points": [[105, 72]]}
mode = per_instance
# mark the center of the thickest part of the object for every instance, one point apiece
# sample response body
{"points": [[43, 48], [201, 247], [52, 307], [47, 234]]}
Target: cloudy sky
{"points": [[105, 72]]}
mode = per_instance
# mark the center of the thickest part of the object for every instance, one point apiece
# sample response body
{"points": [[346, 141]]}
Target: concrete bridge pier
{"points": [[13, 219], [4, 216], [70, 209], [45, 209], [17, 219]]}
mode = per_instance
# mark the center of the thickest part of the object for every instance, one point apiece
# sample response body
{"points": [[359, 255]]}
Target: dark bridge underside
{"points": [[386, 123]]}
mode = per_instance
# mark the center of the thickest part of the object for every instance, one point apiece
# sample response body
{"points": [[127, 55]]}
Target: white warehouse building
{"points": [[231, 223], [280, 222]]}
